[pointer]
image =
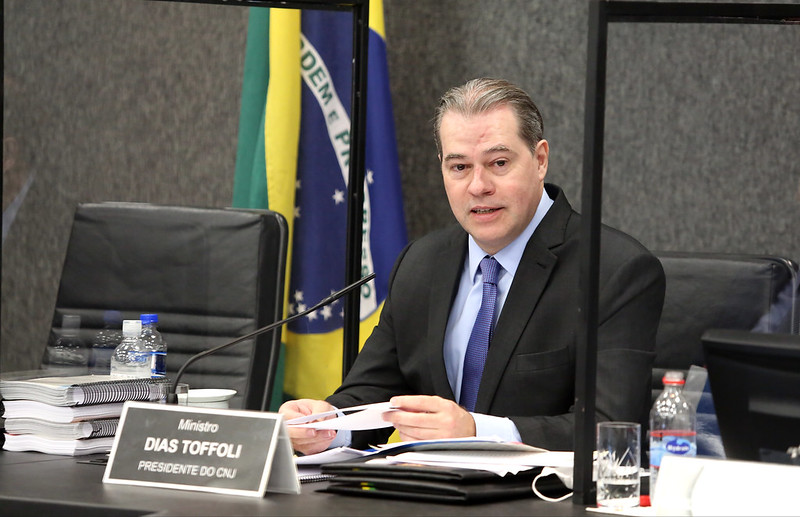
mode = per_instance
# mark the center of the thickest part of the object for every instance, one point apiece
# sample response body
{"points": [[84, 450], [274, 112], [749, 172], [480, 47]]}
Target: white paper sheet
{"points": [[534, 459], [368, 416], [331, 456], [501, 469]]}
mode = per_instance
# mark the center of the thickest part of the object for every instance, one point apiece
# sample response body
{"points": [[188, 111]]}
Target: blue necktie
{"points": [[481, 335]]}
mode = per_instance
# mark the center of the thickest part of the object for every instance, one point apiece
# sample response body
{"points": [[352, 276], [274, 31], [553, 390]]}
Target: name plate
{"points": [[225, 451]]}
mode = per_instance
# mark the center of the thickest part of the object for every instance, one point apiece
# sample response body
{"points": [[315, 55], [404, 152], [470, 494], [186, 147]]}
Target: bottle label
{"points": [[677, 445], [158, 364], [138, 358], [672, 442]]}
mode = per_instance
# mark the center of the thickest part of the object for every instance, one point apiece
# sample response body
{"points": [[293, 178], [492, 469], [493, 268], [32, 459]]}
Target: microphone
{"points": [[172, 398]]}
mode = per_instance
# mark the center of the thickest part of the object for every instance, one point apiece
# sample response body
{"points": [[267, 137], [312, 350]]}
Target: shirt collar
{"points": [[510, 256]]}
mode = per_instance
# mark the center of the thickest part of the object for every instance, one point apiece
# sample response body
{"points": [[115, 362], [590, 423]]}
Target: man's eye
{"points": [[501, 163], [459, 167]]}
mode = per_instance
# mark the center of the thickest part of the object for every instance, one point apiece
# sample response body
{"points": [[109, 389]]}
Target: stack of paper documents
{"points": [[73, 415]]}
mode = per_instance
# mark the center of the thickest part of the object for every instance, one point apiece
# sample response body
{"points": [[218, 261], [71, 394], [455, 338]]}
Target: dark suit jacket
{"points": [[529, 375]]}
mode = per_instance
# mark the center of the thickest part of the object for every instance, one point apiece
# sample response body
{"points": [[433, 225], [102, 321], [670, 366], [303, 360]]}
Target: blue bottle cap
{"points": [[149, 318]]}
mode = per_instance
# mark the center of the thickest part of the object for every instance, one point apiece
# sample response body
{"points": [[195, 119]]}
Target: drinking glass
{"points": [[618, 462]]}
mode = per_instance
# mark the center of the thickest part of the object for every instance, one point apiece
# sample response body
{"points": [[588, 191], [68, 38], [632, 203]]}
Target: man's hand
{"points": [[424, 417], [307, 441]]}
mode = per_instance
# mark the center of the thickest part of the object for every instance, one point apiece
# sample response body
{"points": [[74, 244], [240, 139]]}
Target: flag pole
{"points": [[355, 184]]}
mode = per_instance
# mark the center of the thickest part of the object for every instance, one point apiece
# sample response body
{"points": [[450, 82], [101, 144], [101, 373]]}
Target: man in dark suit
{"points": [[494, 162]]}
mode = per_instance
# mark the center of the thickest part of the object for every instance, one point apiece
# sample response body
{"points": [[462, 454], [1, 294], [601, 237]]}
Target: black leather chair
{"points": [[719, 291], [211, 275], [723, 291]]}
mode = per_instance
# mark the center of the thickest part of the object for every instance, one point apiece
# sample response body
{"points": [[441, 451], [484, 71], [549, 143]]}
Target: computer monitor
{"points": [[755, 383]]}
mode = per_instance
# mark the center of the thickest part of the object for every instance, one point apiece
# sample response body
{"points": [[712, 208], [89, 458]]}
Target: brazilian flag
{"points": [[293, 158]]}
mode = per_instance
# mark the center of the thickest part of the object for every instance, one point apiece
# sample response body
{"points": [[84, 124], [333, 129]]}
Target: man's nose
{"points": [[481, 182]]}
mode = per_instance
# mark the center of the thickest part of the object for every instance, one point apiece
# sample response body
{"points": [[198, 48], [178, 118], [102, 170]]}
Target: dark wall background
{"points": [[139, 100]]}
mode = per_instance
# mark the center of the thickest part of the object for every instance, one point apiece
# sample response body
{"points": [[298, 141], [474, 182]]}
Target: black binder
{"points": [[434, 483]]}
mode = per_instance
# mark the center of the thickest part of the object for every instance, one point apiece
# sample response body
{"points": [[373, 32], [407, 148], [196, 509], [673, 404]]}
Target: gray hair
{"points": [[484, 94]]}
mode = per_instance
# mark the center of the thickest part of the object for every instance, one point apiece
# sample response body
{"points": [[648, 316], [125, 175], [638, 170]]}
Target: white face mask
{"points": [[565, 475]]}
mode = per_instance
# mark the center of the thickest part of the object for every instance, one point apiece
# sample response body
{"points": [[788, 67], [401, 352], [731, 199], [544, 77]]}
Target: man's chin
{"points": [[491, 243]]}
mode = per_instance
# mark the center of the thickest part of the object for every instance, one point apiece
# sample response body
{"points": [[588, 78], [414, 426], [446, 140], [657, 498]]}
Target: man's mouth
{"points": [[484, 210]]}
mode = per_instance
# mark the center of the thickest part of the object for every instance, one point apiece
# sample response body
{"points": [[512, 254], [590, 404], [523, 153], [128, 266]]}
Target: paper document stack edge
{"points": [[73, 415]]}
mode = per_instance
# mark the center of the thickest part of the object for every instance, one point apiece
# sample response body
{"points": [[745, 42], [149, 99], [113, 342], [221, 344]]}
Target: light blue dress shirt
{"points": [[462, 318], [465, 310]]}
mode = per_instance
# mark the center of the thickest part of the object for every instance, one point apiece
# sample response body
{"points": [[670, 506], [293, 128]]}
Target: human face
{"points": [[493, 181]]}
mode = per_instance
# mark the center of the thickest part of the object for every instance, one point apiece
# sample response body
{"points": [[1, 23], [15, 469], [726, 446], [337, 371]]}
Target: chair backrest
{"points": [[211, 275], [718, 291], [722, 291]]}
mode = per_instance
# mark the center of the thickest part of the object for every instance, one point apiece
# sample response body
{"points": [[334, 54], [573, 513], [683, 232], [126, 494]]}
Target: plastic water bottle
{"points": [[131, 358], [154, 342], [105, 341], [68, 350], [672, 426]]}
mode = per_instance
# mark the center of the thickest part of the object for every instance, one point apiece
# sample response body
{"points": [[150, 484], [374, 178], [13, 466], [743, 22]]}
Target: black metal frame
{"points": [[601, 13], [358, 120]]}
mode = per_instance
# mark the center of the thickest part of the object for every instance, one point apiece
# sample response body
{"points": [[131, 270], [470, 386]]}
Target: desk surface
{"points": [[40, 484]]}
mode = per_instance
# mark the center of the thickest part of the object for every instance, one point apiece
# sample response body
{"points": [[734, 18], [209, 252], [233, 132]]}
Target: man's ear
{"points": [[542, 157]]}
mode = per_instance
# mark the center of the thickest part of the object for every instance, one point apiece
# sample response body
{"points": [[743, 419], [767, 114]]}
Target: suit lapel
{"points": [[533, 274], [447, 265]]}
